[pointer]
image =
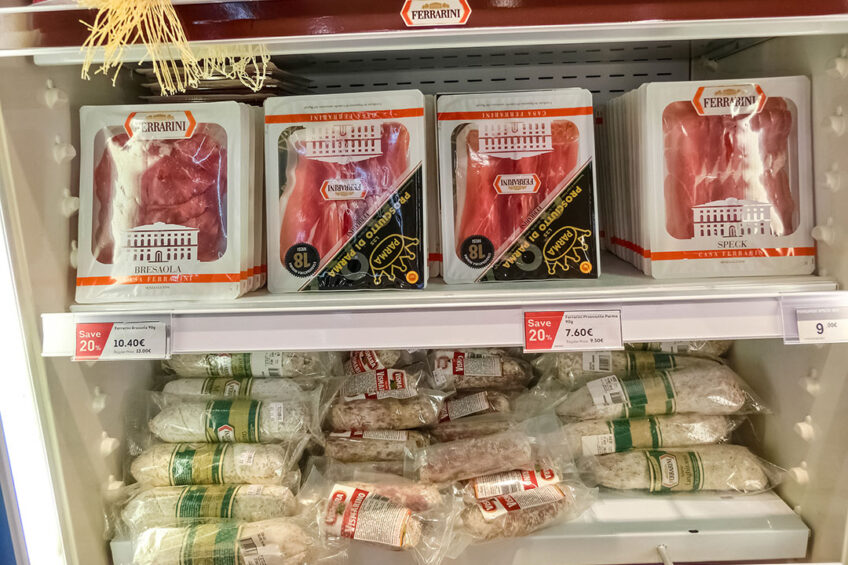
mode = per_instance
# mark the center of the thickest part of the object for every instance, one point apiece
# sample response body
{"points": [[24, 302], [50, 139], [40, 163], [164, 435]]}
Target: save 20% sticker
{"points": [[572, 331]]}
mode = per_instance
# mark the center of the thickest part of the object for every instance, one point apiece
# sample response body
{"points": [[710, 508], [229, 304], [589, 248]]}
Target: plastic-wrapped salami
{"points": [[371, 360], [713, 389], [576, 369], [517, 448], [377, 445], [471, 427], [699, 348], [168, 464], [383, 510], [597, 437], [472, 369], [235, 420], [184, 505], [278, 540], [256, 364], [387, 399], [240, 387], [466, 404], [522, 513], [709, 467]]}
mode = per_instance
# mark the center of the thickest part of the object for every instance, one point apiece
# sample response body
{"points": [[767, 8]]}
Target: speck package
{"points": [[730, 168], [165, 201], [346, 194], [517, 186]]}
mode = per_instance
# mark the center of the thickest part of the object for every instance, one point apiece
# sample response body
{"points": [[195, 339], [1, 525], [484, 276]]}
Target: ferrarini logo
{"points": [[669, 471], [226, 433], [734, 100], [420, 13], [160, 125]]}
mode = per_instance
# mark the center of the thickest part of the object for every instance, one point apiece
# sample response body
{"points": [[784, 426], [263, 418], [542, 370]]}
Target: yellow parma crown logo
{"points": [[728, 92], [158, 117], [435, 6], [562, 246], [390, 255]]}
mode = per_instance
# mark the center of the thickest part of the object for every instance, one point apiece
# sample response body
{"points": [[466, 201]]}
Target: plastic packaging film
{"points": [[256, 364]]}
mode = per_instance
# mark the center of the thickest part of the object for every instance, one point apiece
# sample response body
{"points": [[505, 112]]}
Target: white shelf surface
{"points": [[622, 529], [463, 315]]}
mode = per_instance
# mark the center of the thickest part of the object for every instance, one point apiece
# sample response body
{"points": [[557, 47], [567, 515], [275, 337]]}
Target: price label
{"points": [[120, 340], [822, 325], [572, 331]]}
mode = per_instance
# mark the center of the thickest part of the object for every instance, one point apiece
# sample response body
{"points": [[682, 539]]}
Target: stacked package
{"points": [[170, 202], [657, 421], [517, 186], [223, 484], [711, 178], [345, 189]]}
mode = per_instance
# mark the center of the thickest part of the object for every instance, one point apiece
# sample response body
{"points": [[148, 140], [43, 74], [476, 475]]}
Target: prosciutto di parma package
{"points": [[345, 191], [723, 183], [164, 202], [517, 186]]}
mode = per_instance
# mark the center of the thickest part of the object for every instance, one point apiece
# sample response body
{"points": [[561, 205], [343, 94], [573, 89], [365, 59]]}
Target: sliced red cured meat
{"points": [[502, 217], [327, 224]]}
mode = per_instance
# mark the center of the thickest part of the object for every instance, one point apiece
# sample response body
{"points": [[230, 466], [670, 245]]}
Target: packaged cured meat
{"points": [[239, 387], [472, 369], [597, 437], [371, 359], [516, 173], [256, 364], [516, 448], [524, 512], [434, 232], [279, 540], [714, 390], [177, 419], [699, 348], [576, 369], [382, 510], [720, 177], [375, 445], [346, 193], [387, 399], [707, 467], [471, 427], [164, 202], [464, 404], [168, 464], [184, 505]]}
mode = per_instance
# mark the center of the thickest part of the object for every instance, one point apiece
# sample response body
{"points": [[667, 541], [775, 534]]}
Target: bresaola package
{"points": [[517, 186], [165, 200], [345, 190], [720, 177]]}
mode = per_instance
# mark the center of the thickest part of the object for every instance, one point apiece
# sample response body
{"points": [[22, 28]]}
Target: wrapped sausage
{"points": [[235, 420], [597, 437], [376, 445], [522, 513], [709, 467], [239, 387], [472, 369], [256, 364], [466, 404], [278, 540], [184, 505], [711, 389], [576, 369], [517, 448], [472, 427], [371, 360], [716, 348], [383, 510], [167, 464]]}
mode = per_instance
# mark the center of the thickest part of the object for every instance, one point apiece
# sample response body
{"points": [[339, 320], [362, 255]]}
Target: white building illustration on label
{"points": [[732, 218], [160, 243]]}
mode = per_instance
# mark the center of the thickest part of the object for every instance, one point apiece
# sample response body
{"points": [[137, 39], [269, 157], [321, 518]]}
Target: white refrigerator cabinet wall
{"points": [[64, 421]]}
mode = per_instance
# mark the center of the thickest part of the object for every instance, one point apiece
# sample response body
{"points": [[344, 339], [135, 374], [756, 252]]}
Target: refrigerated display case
{"points": [[64, 420]]}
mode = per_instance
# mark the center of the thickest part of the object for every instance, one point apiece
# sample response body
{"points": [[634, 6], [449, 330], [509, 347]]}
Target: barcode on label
{"points": [[597, 361], [274, 372], [606, 391], [248, 546], [604, 363]]}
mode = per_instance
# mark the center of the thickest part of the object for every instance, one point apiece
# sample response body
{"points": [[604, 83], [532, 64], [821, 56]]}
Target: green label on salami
{"points": [[222, 386], [232, 421], [210, 544], [648, 396], [641, 432], [214, 501], [643, 363], [202, 464], [675, 471]]}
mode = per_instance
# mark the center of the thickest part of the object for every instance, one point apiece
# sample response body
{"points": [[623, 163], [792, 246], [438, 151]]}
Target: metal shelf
{"points": [[464, 315]]}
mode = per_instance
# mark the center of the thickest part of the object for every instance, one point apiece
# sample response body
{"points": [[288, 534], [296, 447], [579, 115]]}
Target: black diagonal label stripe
{"points": [[559, 244], [387, 250]]}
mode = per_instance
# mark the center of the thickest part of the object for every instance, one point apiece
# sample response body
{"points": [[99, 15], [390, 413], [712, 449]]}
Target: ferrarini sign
{"points": [[426, 13]]}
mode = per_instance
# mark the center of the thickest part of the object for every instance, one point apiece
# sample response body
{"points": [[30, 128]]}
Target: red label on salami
{"points": [[458, 363]]}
